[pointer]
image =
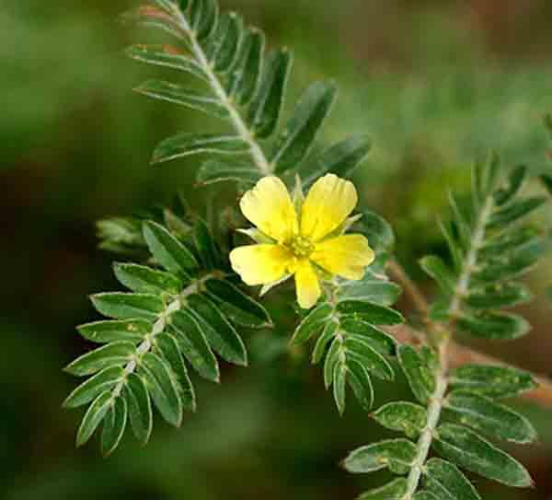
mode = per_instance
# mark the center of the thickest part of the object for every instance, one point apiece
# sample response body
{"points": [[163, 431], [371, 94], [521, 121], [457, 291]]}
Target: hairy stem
{"points": [[433, 415], [443, 342], [158, 328], [237, 121]]}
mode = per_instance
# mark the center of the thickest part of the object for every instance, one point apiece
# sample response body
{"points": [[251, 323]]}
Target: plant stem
{"points": [[443, 341], [410, 288], [158, 328], [433, 415], [239, 124]]}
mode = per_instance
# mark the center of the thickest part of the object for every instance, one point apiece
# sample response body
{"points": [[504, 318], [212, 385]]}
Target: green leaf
{"points": [[494, 326], [361, 383], [315, 321], [340, 159], [143, 279], [509, 241], [106, 380], [114, 426], [424, 495], [468, 450], [377, 291], [151, 17], [323, 341], [206, 246], [419, 376], [460, 221], [213, 171], [265, 108], [378, 231], [239, 307], [369, 357], [204, 15], [169, 349], [166, 56], [440, 272], [447, 482], [370, 312], [187, 144], [515, 211], [114, 354], [93, 417], [332, 359], [515, 182], [394, 490], [492, 381], [300, 133], [163, 387], [376, 338], [501, 295], [120, 235], [220, 334], [495, 420], [450, 234], [513, 265], [194, 346], [110, 331], [176, 94], [339, 385], [139, 408], [230, 42], [389, 453], [128, 305], [403, 417], [246, 73], [167, 250]]}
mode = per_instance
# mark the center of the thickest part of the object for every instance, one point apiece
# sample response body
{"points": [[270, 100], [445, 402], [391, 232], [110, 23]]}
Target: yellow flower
{"points": [[306, 242]]}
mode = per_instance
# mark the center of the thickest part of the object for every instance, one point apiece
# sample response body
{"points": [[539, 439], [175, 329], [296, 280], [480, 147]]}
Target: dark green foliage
{"points": [[347, 327], [243, 87], [396, 454], [170, 321], [469, 450], [403, 417], [490, 244], [495, 382], [445, 481], [419, 374], [492, 418], [391, 491]]}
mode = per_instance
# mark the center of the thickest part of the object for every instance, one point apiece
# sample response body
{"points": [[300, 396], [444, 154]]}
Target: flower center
{"points": [[301, 246]]}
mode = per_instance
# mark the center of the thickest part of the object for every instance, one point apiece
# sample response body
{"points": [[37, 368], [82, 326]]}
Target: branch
{"points": [[433, 415], [158, 328], [239, 124], [411, 289], [459, 355]]}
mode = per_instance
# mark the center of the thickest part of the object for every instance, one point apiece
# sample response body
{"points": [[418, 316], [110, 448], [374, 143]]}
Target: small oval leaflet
{"points": [[402, 416], [392, 453], [470, 451]]}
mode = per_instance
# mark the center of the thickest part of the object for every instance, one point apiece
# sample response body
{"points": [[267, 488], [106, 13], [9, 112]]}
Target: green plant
{"points": [[187, 302]]}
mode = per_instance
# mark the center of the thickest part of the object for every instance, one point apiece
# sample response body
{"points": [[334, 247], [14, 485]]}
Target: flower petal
{"points": [[347, 256], [307, 283], [328, 204], [260, 264], [268, 205]]}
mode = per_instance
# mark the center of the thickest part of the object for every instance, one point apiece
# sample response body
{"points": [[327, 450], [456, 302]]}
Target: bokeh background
{"points": [[435, 83]]}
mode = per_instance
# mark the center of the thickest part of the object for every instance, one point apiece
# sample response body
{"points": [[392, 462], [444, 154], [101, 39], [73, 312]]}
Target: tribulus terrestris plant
{"points": [[191, 284]]}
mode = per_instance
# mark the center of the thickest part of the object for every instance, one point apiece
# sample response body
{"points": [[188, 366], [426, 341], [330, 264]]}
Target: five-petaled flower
{"points": [[304, 238]]}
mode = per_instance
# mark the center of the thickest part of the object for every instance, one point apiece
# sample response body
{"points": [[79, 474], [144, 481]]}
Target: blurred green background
{"points": [[434, 84]]}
